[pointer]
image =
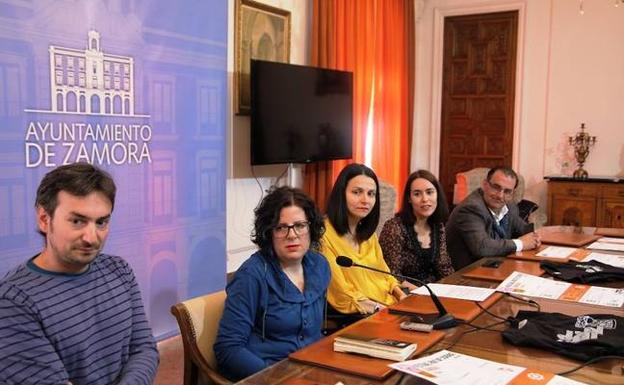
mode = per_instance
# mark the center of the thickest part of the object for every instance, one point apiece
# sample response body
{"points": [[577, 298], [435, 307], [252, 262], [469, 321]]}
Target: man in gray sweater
{"points": [[72, 315], [487, 223]]}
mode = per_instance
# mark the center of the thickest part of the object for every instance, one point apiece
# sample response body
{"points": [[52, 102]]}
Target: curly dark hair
{"points": [[337, 211], [267, 216], [440, 215]]}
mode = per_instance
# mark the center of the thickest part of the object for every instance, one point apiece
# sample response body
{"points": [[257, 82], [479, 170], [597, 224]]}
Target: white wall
{"points": [[243, 191], [570, 70], [586, 82]]}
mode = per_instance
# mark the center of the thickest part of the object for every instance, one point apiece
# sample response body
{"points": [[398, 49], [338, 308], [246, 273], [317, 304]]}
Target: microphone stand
{"points": [[444, 320]]}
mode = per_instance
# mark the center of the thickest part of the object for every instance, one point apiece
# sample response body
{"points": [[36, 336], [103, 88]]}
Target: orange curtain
{"points": [[374, 40]]}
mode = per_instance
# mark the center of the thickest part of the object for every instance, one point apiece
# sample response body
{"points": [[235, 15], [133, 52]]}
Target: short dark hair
{"points": [[79, 179], [267, 216], [507, 171], [440, 215], [337, 211]]}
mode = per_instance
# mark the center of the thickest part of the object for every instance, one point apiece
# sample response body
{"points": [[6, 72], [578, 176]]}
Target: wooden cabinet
{"points": [[595, 202]]}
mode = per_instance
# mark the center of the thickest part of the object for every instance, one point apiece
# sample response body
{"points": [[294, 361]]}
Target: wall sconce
{"points": [[581, 142]]}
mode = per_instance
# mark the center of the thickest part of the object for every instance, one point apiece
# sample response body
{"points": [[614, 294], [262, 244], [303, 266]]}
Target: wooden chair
{"points": [[468, 181], [198, 319]]}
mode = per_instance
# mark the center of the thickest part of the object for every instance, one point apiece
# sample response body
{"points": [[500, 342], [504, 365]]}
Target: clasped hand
{"points": [[530, 240]]}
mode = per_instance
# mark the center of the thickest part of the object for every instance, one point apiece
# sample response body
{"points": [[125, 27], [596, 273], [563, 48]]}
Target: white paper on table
{"points": [[608, 259], [532, 286], [560, 380], [611, 240], [556, 252], [450, 368], [470, 293], [603, 296], [606, 246]]}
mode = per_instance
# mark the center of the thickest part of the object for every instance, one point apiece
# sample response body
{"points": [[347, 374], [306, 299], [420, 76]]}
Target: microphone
{"points": [[444, 319]]}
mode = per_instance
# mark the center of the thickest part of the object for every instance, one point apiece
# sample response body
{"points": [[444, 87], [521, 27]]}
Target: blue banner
{"points": [[138, 88]]}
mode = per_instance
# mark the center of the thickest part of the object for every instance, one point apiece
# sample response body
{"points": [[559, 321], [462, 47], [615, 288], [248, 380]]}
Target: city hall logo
{"points": [[95, 85]]}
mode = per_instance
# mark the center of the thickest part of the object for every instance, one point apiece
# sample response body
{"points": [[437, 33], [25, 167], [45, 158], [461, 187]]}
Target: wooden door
{"points": [[478, 93]]}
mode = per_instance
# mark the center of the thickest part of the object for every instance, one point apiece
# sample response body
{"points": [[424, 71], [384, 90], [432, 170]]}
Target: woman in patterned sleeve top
{"points": [[414, 241]]}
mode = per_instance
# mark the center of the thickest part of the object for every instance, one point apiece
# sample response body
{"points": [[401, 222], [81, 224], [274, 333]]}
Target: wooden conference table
{"points": [[484, 344]]}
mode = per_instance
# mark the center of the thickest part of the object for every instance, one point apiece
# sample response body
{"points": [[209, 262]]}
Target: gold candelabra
{"points": [[581, 142]]}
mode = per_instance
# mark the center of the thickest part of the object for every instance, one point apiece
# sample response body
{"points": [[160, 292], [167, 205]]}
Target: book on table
{"points": [[385, 348]]}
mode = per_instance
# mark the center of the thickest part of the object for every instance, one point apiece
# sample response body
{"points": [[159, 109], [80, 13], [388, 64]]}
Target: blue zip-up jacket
{"points": [[266, 317]]}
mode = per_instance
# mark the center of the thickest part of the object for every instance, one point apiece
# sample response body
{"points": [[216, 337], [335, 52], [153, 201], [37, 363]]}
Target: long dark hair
{"points": [[337, 210], [440, 215], [267, 216]]}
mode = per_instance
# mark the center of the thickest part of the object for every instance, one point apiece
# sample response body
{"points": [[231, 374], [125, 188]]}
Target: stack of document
{"points": [[375, 347]]}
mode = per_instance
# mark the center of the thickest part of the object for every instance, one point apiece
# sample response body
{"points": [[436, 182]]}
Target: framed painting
{"points": [[261, 32]]}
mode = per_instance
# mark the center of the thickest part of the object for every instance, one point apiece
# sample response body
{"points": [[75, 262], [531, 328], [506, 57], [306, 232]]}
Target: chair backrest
{"points": [[388, 196], [198, 319], [468, 181]]}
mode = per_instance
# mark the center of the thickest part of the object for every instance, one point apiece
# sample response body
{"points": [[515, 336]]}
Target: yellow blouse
{"points": [[351, 284]]}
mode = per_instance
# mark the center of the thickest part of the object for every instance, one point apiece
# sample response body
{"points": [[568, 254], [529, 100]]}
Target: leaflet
{"points": [[470, 293], [532, 286], [599, 245], [608, 259], [450, 368], [604, 296], [556, 252], [611, 240]]}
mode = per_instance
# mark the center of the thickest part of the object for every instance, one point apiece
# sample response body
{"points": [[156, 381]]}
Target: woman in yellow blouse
{"points": [[352, 217]]}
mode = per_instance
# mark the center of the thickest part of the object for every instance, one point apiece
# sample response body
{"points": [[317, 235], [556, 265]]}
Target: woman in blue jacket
{"points": [[275, 303]]}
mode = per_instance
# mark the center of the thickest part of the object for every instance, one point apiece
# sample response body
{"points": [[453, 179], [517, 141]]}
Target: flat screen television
{"points": [[300, 114]]}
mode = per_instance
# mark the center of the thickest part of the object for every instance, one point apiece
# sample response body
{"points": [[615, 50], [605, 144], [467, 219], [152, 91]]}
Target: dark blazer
{"points": [[470, 227]]}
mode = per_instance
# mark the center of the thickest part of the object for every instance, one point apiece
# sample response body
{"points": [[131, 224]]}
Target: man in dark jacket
{"points": [[487, 223]]}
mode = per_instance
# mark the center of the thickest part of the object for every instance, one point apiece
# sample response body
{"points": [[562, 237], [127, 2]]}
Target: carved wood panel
{"points": [[478, 93], [613, 214], [579, 211]]}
